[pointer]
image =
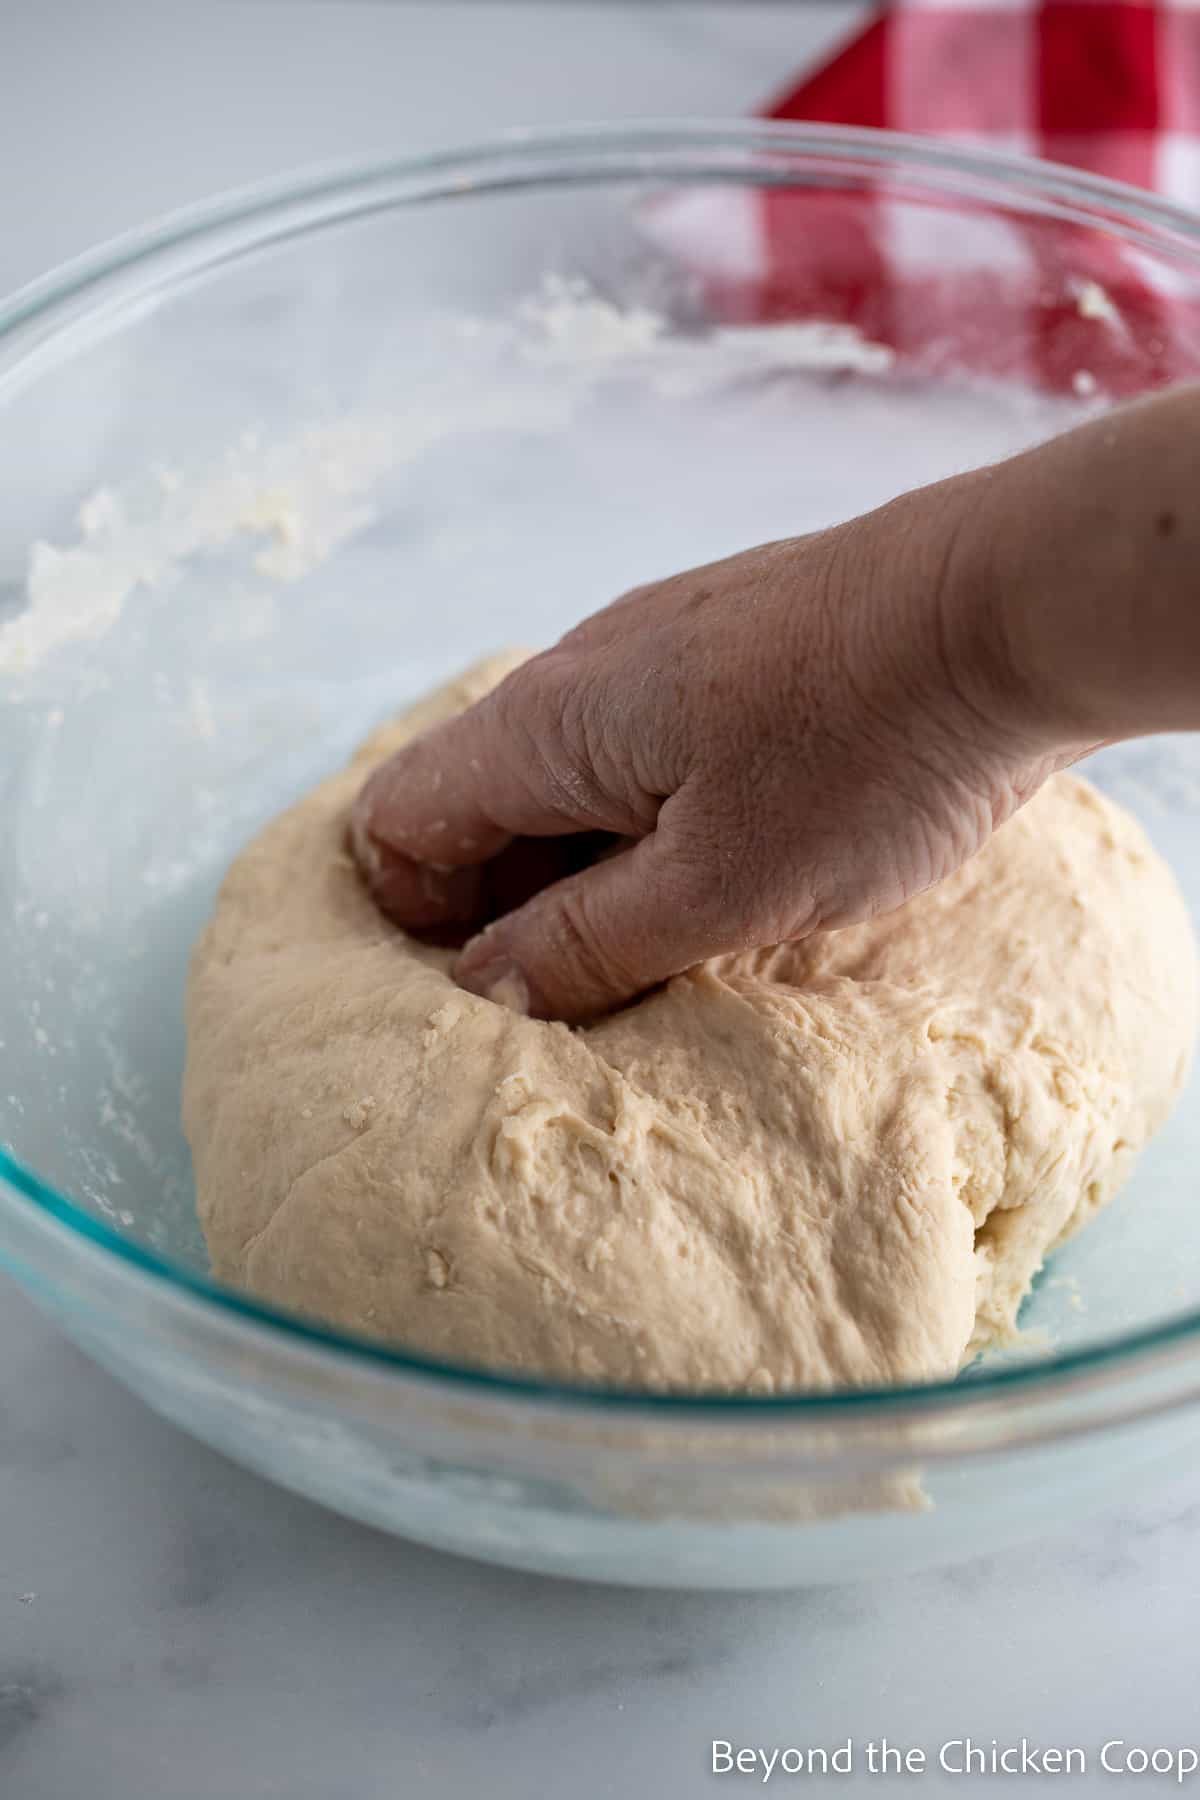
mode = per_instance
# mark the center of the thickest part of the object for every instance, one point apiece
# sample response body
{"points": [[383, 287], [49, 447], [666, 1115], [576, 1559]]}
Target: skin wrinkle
{"points": [[516, 713], [581, 938], [593, 729]]}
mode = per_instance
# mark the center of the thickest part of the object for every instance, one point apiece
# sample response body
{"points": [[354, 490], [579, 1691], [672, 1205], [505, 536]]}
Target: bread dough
{"points": [[834, 1162]]}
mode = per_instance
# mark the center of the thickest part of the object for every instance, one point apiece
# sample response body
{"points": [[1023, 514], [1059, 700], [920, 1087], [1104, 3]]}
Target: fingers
{"points": [[433, 829], [451, 798], [591, 942]]}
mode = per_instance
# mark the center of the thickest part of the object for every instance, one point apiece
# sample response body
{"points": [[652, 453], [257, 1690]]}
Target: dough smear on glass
{"points": [[839, 1162]]}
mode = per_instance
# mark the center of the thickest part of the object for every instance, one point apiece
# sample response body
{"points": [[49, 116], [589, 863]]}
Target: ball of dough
{"points": [[834, 1162]]}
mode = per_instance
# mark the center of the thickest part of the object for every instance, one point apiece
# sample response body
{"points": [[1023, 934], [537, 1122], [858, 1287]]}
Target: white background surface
{"points": [[172, 1629]]}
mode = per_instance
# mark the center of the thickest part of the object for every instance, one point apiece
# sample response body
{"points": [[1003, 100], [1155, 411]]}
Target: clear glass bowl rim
{"points": [[44, 321]]}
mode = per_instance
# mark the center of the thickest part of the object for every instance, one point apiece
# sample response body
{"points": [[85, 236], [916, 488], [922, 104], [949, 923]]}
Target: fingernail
{"points": [[366, 852], [498, 980]]}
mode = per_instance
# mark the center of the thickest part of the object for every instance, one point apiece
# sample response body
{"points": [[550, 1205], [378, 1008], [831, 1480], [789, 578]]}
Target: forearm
{"points": [[1088, 550]]}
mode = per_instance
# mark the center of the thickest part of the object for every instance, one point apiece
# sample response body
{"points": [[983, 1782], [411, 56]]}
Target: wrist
{"points": [[1089, 548], [1007, 622], [990, 681]]}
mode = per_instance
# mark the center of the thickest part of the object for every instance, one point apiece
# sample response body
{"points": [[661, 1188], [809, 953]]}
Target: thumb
{"points": [[596, 939]]}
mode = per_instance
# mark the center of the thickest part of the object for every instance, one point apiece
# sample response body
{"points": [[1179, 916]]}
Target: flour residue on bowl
{"points": [[297, 500], [218, 631]]}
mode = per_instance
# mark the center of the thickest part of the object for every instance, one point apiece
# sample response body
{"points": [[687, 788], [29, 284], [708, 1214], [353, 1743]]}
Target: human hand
{"points": [[798, 737]]}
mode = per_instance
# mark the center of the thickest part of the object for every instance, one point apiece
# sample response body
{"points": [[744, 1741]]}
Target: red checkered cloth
{"points": [[1108, 86], [1105, 85]]}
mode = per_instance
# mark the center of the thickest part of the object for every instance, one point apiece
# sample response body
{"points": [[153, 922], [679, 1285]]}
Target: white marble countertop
{"points": [[174, 1629]]}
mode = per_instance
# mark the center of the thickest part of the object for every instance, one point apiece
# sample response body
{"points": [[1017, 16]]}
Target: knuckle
{"points": [[525, 729], [587, 948], [625, 743], [512, 711], [550, 716], [587, 733]]}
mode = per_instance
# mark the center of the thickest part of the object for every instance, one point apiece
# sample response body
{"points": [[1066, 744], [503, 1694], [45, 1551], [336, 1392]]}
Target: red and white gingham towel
{"points": [[1110, 86]]}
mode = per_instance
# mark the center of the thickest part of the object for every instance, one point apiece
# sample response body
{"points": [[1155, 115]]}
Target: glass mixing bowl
{"points": [[272, 469]]}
